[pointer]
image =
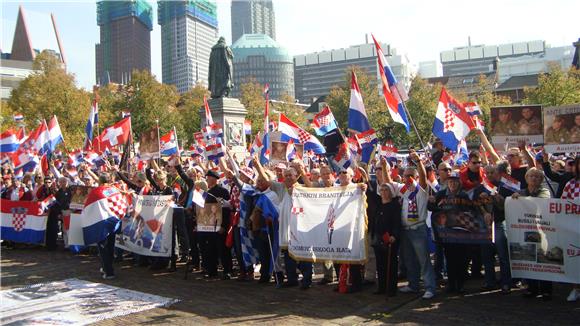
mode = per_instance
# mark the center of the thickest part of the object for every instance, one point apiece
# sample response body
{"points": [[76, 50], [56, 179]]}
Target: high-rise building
{"points": [[34, 32], [253, 17], [125, 39], [189, 29], [316, 73], [476, 59], [258, 57]]}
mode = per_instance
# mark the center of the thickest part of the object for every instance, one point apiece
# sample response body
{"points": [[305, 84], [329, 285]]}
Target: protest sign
{"points": [[79, 196], [328, 224], [544, 238], [510, 124], [209, 217], [461, 226], [562, 128], [149, 144], [148, 230]]}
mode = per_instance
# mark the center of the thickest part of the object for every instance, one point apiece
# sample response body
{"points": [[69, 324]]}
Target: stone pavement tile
{"points": [[202, 301], [216, 302]]}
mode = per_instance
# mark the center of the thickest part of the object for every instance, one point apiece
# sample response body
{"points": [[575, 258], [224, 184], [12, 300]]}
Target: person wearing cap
{"points": [[504, 126], [534, 179], [450, 202], [557, 133], [213, 243], [414, 239]]}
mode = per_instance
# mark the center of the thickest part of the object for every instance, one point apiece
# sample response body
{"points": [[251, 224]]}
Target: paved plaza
{"points": [[231, 302]]}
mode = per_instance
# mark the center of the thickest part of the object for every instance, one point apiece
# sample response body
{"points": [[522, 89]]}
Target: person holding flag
{"points": [[414, 240]]}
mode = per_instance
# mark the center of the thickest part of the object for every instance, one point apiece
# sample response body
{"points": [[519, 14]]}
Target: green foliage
{"points": [[557, 87], [188, 107], [293, 112], [49, 91], [252, 97], [422, 106]]}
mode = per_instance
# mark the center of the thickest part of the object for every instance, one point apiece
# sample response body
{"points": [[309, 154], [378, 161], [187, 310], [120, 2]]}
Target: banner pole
{"points": [[158, 144]]}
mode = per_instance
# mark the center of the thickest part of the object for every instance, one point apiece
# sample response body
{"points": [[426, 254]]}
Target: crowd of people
{"points": [[400, 199]]}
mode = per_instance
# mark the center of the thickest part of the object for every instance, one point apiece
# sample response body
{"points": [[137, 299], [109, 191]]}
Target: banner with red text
{"points": [[544, 238]]}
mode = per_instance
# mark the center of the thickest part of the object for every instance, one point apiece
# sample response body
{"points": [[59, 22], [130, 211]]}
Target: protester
{"points": [[534, 178], [414, 230], [385, 237], [572, 192], [453, 201]]}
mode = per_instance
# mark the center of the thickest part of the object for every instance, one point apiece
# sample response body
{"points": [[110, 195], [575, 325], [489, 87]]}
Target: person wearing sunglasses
{"points": [[414, 197]]}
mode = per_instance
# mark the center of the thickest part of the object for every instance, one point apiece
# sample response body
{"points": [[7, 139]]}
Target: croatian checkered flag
{"points": [[105, 206]]}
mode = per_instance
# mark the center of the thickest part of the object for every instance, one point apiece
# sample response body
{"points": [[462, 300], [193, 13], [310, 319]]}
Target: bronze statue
{"points": [[220, 69]]}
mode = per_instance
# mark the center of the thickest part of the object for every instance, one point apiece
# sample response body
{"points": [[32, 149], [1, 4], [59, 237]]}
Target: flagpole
{"points": [[176, 141], [158, 144], [132, 146], [96, 103]]}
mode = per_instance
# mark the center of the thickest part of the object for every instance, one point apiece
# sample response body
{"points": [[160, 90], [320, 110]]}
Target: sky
{"points": [[421, 29]]}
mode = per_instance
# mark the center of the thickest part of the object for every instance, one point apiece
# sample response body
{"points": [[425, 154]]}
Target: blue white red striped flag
{"points": [[393, 92], [22, 221]]}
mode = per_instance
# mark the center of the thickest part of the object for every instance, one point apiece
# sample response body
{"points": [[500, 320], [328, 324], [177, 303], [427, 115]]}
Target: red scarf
{"points": [[467, 184]]}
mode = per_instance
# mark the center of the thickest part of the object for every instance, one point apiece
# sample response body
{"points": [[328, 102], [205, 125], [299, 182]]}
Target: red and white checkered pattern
{"points": [[18, 218], [118, 205], [303, 136], [449, 120], [323, 120], [297, 210], [467, 222], [572, 190]]}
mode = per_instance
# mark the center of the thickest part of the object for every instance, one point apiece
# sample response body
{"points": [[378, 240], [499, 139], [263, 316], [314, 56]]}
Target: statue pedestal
{"points": [[230, 113]]}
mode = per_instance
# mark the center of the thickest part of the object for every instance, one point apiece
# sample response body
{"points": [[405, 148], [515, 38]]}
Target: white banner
{"points": [[544, 238], [148, 230], [328, 224]]}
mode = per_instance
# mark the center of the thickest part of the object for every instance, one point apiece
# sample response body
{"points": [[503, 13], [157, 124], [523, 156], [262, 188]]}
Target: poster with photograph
{"points": [[79, 195], [562, 128], [544, 238], [209, 217], [148, 230], [149, 144], [511, 124], [456, 226], [279, 151]]}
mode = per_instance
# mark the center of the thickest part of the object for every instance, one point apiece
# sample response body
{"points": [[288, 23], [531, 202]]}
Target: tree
{"points": [[189, 106], [422, 105], [557, 87], [148, 101], [49, 91], [252, 97], [293, 112]]}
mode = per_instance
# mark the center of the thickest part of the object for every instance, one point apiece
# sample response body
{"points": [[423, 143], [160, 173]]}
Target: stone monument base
{"points": [[230, 113]]}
